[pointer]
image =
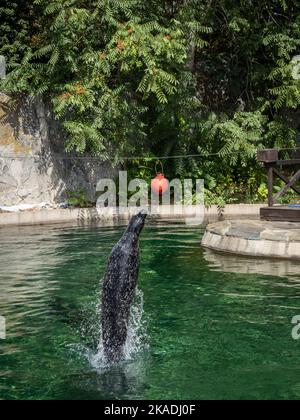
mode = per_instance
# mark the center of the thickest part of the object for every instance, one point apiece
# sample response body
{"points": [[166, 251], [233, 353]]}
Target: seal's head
{"points": [[137, 223]]}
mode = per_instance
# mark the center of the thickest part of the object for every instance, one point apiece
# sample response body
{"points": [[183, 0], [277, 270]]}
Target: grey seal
{"points": [[119, 285]]}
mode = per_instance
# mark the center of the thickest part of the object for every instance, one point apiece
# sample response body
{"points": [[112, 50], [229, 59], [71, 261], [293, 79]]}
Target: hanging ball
{"points": [[159, 184]]}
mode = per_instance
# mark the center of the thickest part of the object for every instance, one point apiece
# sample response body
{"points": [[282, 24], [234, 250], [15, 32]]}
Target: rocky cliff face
{"points": [[33, 165]]}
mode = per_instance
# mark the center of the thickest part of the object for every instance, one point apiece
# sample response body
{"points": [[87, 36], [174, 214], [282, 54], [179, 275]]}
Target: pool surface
{"points": [[208, 333]]}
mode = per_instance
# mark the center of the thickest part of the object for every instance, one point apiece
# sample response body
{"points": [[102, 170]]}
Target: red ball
{"points": [[159, 184]]}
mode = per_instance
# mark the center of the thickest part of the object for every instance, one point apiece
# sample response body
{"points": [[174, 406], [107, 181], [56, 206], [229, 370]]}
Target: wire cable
{"points": [[146, 158]]}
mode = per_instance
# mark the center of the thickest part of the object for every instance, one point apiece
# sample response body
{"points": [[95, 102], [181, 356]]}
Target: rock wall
{"points": [[33, 165]]}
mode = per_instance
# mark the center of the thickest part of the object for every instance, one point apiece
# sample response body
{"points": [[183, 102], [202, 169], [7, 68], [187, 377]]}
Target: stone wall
{"points": [[33, 165]]}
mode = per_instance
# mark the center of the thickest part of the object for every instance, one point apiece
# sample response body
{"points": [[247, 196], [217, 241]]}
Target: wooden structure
{"points": [[270, 159]]}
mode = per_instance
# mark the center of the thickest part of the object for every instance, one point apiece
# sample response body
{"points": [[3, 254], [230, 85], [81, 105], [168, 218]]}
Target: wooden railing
{"points": [[270, 159]]}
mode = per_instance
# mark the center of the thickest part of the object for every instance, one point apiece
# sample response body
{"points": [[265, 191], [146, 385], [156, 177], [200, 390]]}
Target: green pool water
{"points": [[210, 333]]}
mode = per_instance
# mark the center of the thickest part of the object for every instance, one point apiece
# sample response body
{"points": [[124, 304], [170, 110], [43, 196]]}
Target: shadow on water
{"points": [[229, 263]]}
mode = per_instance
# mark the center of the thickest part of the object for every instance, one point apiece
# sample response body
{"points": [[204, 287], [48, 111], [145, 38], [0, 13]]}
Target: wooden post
{"points": [[269, 158], [289, 185], [286, 180], [270, 186]]}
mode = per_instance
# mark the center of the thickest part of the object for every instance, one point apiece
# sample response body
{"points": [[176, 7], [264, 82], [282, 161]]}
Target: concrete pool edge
{"points": [[89, 215], [254, 238]]}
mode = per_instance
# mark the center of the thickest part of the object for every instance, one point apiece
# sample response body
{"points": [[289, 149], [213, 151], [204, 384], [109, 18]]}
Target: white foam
{"points": [[136, 340]]}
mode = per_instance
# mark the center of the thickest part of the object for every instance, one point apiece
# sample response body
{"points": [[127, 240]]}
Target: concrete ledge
{"points": [[91, 215], [255, 238], [94, 215], [55, 216], [236, 210]]}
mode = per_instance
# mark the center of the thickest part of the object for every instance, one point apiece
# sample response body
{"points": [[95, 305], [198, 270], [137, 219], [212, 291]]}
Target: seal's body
{"points": [[119, 285]]}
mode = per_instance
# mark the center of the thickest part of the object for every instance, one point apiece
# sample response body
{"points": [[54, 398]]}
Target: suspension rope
{"points": [[69, 157], [146, 158]]}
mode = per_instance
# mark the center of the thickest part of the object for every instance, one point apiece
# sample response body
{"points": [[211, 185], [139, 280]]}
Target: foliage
{"points": [[78, 198], [100, 62], [18, 26], [160, 78]]}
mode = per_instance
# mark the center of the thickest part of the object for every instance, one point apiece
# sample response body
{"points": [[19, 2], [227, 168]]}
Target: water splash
{"points": [[137, 340], [137, 336]]}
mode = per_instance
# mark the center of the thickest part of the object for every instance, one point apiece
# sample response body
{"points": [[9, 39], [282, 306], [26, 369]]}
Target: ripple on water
{"points": [[208, 326]]}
